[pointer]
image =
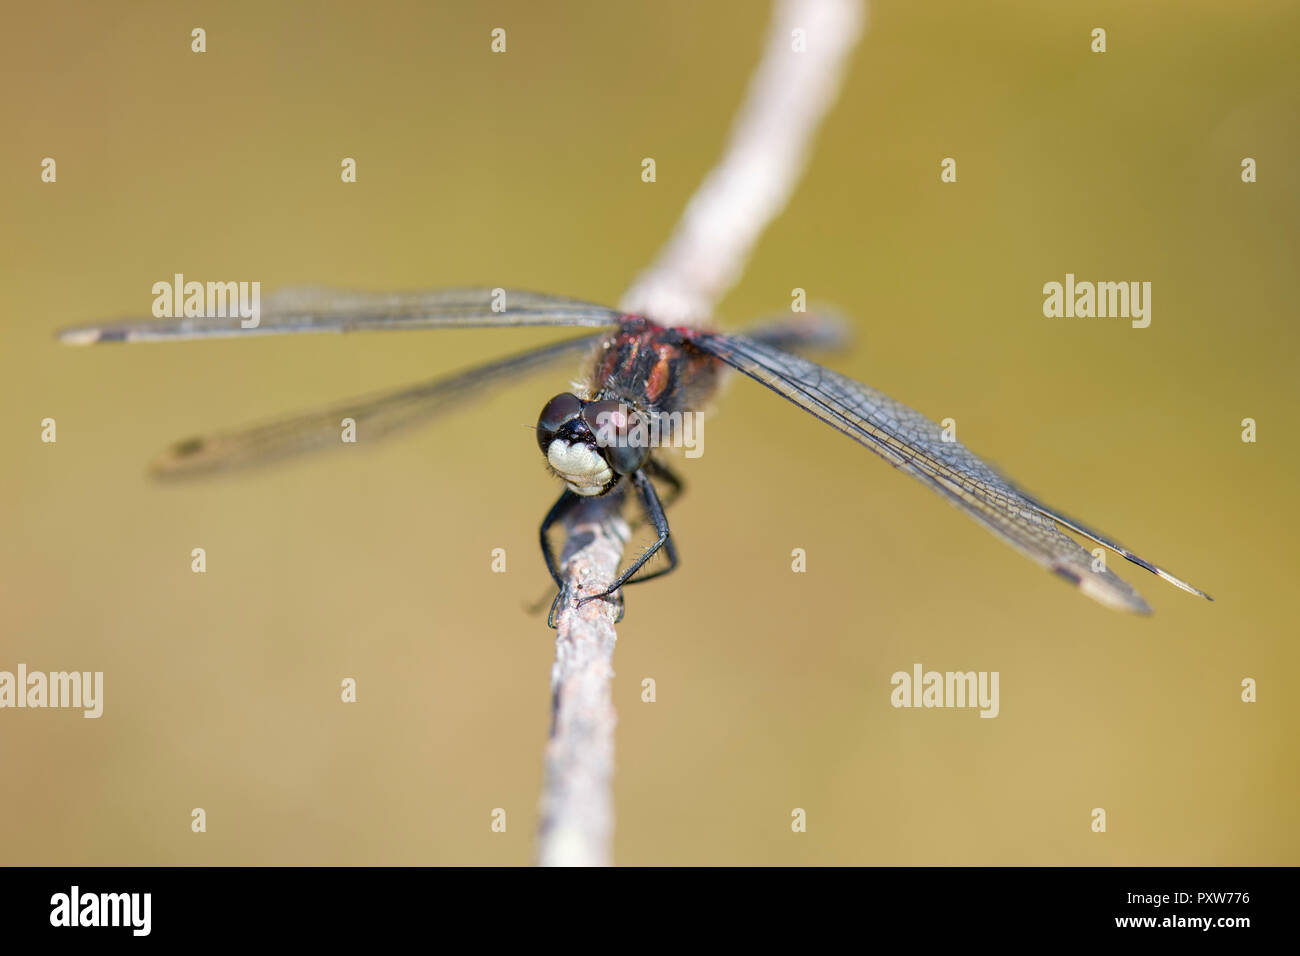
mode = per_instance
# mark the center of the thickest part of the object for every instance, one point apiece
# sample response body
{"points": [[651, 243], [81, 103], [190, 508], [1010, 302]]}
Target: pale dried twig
{"points": [[788, 95], [787, 98], [577, 811]]}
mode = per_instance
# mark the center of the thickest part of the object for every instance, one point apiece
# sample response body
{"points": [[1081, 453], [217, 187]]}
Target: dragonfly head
{"points": [[590, 444]]}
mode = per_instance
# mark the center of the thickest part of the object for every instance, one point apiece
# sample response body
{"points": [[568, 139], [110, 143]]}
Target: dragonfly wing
{"points": [[375, 416], [319, 309], [821, 330], [914, 444]]}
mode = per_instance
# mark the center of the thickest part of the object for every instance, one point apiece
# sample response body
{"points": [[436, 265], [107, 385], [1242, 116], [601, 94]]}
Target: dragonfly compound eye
{"points": [[560, 410]]}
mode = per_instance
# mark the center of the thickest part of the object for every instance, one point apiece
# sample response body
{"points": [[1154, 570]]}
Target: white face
{"points": [[581, 466]]}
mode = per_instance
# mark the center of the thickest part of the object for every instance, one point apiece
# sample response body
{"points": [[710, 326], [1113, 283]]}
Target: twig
{"points": [[577, 807], [788, 95], [787, 98]]}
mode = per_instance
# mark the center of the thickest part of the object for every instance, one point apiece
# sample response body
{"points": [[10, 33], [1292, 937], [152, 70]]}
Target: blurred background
{"points": [[523, 170]]}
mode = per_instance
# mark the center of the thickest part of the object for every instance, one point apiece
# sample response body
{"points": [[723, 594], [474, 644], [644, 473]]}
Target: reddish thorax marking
{"points": [[658, 379], [654, 367]]}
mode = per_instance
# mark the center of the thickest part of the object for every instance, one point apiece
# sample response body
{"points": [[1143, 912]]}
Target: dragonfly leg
{"points": [[558, 604], [558, 510], [657, 469], [655, 510]]}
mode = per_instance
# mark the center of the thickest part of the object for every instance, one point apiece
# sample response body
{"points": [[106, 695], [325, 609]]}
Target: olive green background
{"points": [[523, 169]]}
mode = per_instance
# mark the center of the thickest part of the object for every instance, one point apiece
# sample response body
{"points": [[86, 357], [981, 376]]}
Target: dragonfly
{"points": [[593, 437]]}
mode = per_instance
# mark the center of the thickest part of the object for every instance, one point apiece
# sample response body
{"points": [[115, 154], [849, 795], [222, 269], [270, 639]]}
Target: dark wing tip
{"points": [[83, 336], [1119, 549], [1107, 589], [181, 458], [1165, 575], [93, 335]]}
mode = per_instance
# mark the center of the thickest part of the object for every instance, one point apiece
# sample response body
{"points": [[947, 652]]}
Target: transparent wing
{"points": [[375, 416], [822, 329], [319, 309], [914, 444]]}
